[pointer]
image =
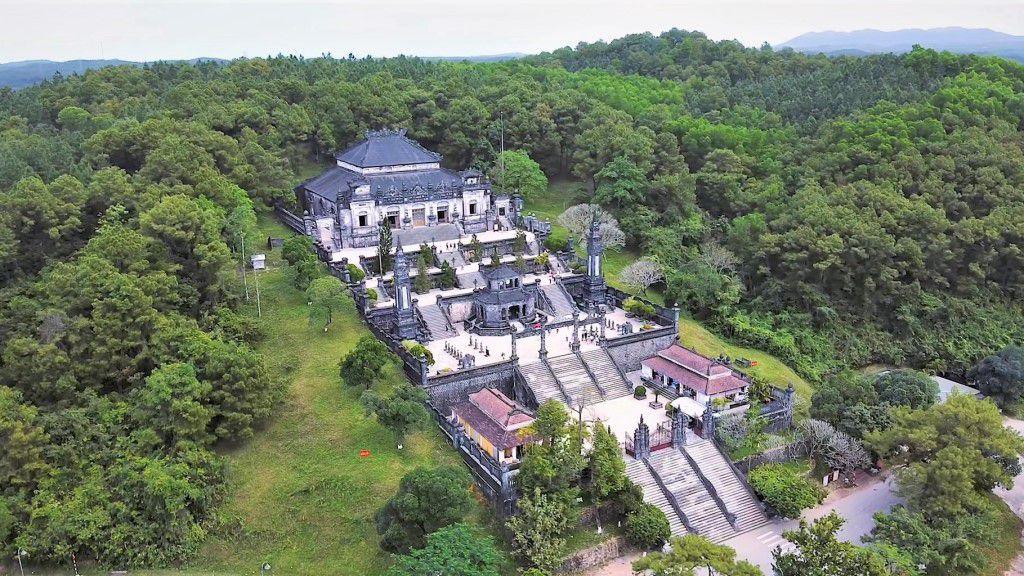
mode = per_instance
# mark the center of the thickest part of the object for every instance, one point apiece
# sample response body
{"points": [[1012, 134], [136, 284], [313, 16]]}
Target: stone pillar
{"points": [[709, 422], [515, 354], [543, 339], [642, 441], [675, 318], [423, 372], [595, 290], [575, 344], [602, 321], [309, 223], [405, 316], [679, 421]]}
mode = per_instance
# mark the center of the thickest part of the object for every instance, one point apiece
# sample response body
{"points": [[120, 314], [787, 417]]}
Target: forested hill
{"points": [[834, 212]]}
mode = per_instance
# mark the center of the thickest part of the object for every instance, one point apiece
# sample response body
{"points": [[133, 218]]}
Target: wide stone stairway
{"points": [[573, 375], [606, 372], [639, 473], [671, 483], [730, 489], [562, 305], [542, 382], [436, 322]]}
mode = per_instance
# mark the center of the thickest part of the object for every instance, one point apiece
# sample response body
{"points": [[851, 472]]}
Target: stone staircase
{"points": [[466, 280], [575, 380], [562, 305], [542, 382], [607, 373], [435, 321], [739, 501], [640, 474], [679, 478]]}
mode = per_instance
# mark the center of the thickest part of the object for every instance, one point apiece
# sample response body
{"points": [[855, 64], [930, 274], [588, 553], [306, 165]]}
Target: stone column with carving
{"points": [[679, 422], [543, 338], [642, 441], [574, 345], [709, 422], [515, 354]]}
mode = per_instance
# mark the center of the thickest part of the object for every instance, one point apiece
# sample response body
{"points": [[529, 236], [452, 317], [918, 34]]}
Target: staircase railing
{"points": [[669, 496], [739, 475], [622, 373], [593, 377], [554, 377], [447, 320], [730, 516]]}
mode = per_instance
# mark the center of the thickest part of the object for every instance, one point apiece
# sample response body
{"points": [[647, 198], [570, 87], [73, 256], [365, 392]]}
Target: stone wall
{"points": [[594, 556], [447, 389], [628, 351]]}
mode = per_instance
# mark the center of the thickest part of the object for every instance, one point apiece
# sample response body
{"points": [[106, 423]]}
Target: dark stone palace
{"points": [[388, 177]]}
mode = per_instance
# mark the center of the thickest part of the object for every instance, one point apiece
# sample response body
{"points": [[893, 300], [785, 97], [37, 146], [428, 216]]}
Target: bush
{"points": [[638, 308], [783, 488], [355, 273], [647, 527], [419, 350], [372, 294], [297, 249], [640, 392], [557, 241]]}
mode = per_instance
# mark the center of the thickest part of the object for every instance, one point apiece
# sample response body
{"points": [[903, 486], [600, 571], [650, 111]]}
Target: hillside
{"points": [[952, 39]]}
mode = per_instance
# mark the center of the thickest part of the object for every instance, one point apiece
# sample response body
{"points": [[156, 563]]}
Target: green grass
{"points": [[1006, 545], [299, 494]]}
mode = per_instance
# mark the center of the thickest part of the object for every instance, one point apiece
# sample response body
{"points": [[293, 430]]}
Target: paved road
{"points": [[857, 506]]}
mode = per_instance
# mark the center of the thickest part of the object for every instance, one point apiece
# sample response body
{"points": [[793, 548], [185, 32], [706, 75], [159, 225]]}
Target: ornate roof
{"points": [[387, 148]]}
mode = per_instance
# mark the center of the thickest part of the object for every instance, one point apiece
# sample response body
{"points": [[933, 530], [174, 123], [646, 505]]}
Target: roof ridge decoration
{"points": [[384, 132]]}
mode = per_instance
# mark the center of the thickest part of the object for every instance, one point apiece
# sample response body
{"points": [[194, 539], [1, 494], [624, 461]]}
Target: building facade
{"points": [[387, 177]]}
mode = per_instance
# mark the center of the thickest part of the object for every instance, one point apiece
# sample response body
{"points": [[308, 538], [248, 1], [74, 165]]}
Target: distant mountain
{"points": [[954, 39], [485, 58], [28, 72]]}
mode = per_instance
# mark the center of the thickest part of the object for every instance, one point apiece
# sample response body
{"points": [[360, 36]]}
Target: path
{"points": [[1014, 498]]}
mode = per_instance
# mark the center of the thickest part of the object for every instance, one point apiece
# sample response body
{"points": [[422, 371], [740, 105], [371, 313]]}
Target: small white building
{"points": [[259, 261]]}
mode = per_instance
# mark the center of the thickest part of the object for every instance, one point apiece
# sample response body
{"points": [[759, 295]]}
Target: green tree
{"points": [[171, 402], [427, 499], [784, 489], [326, 295], [819, 553], [23, 464], [297, 249], [690, 552], [1001, 376], [514, 171], [447, 277], [647, 527], [539, 528], [363, 365], [607, 468], [422, 283], [907, 388], [455, 550], [400, 410], [951, 455]]}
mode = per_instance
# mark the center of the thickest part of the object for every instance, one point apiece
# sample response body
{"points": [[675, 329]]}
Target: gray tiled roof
{"points": [[387, 148], [390, 188]]}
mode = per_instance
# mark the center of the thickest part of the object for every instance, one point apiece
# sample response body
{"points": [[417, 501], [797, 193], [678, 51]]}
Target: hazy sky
{"points": [[165, 29]]}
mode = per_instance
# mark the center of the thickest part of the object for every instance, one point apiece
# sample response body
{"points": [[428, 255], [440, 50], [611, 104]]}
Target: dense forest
{"points": [[835, 212]]}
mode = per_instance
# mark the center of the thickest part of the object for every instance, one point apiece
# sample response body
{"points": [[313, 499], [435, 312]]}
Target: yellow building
{"points": [[496, 423]]}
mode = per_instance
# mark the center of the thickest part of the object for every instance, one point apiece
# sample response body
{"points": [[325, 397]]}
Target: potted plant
{"points": [[640, 392]]}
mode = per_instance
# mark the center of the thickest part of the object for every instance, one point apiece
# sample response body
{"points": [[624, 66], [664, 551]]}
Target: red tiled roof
{"points": [[692, 360], [500, 408], [690, 369], [496, 417]]}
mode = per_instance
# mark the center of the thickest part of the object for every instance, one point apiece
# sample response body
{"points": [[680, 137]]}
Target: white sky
{"points": [[170, 29]]}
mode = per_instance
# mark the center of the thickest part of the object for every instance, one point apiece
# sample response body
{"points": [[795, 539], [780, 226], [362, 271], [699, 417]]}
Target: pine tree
{"points": [[422, 283]]}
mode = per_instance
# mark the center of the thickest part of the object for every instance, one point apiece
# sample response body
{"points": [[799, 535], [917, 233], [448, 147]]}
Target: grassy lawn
{"points": [[299, 494], [1001, 551]]}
